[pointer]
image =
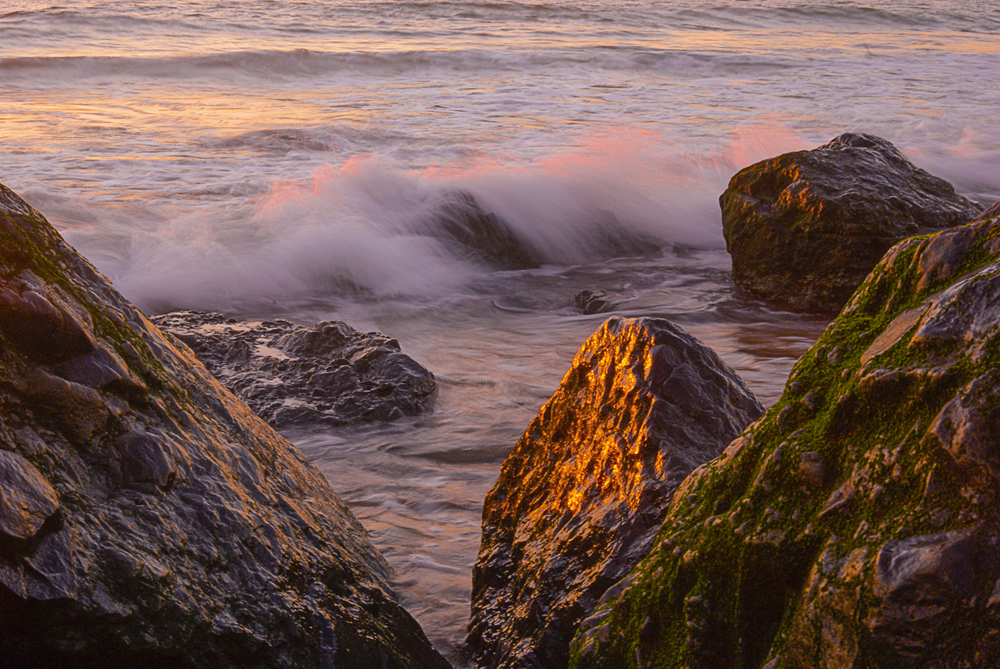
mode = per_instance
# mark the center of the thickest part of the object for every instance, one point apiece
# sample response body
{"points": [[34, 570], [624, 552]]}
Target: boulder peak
{"points": [[805, 228]]}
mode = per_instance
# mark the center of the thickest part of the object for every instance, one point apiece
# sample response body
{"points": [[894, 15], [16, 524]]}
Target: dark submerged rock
{"points": [[471, 231], [468, 230], [328, 373], [805, 229], [857, 524], [147, 516], [580, 498]]}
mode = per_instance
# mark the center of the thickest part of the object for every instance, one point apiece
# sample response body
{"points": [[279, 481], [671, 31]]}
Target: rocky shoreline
{"points": [[650, 516]]}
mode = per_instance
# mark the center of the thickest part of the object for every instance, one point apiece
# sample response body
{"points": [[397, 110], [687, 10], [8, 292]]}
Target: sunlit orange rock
{"points": [[580, 498]]}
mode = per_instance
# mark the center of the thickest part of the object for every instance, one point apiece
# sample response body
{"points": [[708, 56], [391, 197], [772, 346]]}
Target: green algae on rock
{"points": [[856, 525], [147, 517], [579, 500], [804, 229]]}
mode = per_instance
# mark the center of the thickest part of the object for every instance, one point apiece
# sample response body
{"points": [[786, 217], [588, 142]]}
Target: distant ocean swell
{"points": [[305, 64], [975, 16]]}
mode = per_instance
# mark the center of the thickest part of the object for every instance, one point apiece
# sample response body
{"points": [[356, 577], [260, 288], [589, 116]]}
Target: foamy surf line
{"points": [[366, 228], [371, 227]]}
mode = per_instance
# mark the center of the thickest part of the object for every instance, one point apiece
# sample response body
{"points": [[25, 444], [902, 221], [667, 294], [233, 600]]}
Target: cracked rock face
{"points": [[857, 524], [26, 498], [147, 516], [805, 229], [580, 498], [328, 373]]}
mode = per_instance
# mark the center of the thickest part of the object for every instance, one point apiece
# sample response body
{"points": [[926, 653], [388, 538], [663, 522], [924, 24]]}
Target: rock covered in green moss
{"points": [[147, 517], [289, 374], [857, 524], [580, 498], [805, 229]]}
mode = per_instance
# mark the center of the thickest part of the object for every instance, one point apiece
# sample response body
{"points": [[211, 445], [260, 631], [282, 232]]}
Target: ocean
{"points": [[287, 159]]}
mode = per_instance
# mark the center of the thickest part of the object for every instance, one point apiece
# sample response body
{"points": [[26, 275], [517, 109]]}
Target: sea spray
{"points": [[370, 227]]}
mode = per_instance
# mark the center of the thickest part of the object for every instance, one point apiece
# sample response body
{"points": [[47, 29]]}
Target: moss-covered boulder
{"points": [[147, 517], [580, 498], [805, 229], [857, 524]]}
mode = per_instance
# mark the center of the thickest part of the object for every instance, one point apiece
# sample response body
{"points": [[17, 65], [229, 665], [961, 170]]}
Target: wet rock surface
{"points": [[328, 373], [857, 524], [805, 229], [579, 500], [591, 302], [147, 516], [26, 498]]}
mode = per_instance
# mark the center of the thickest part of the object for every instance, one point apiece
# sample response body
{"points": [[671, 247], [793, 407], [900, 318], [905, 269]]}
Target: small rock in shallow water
{"points": [[289, 374], [591, 302]]}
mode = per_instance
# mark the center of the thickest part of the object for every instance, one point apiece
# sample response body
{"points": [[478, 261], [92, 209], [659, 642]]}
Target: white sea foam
{"points": [[370, 227]]}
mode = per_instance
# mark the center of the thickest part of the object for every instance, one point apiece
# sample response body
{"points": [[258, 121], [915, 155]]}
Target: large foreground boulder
{"points": [[147, 517], [581, 497], [288, 374], [858, 523], [805, 229]]}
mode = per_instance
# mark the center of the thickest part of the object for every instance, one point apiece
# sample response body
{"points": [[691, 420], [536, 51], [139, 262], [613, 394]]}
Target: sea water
{"points": [[264, 158]]}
